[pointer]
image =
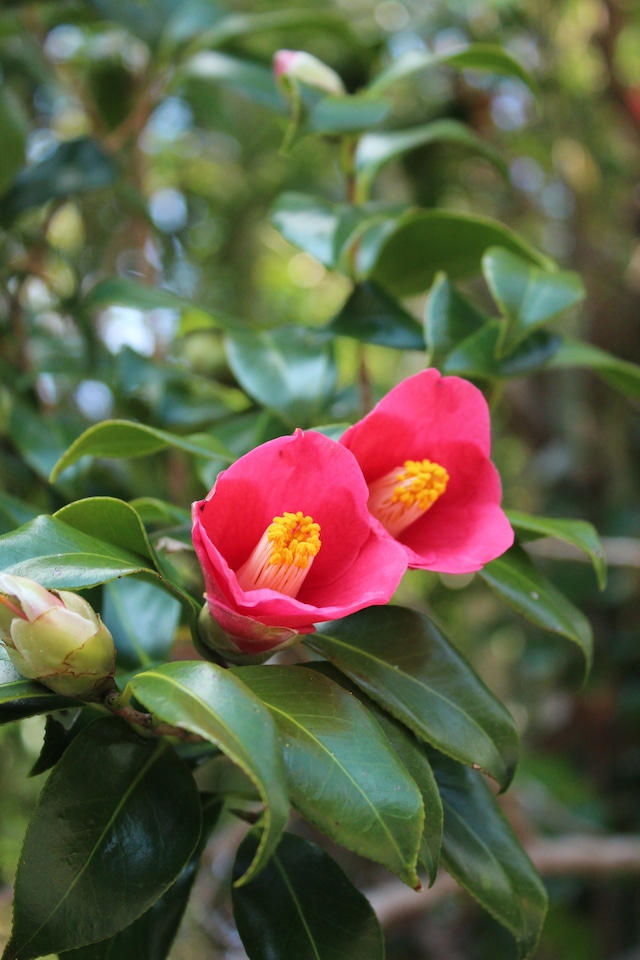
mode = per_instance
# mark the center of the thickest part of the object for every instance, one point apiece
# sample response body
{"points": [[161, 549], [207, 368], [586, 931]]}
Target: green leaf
{"points": [[426, 241], [372, 316], [309, 223], [412, 757], [251, 80], [13, 131], [578, 533], [516, 579], [375, 150], [110, 520], [476, 56], [213, 703], [21, 698], [528, 295], [142, 619], [14, 512], [303, 906], [290, 370], [477, 356], [347, 115], [151, 510], [481, 851], [151, 935], [130, 293], [117, 821], [621, 374], [351, 786], [75, 166], [244, 24], [450, 319], [406, 665], [125, 438]]}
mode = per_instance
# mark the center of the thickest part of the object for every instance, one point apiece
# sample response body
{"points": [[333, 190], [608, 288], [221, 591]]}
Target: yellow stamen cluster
{"points": [[283, 556], [403, 494]]}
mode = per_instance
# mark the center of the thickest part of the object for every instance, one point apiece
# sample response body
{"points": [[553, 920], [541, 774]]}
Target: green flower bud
{"points": [[298, 66], [55, 637]]}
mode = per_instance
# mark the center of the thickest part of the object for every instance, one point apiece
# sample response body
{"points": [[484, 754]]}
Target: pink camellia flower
{"points": [[424, 452], [285, 540]]}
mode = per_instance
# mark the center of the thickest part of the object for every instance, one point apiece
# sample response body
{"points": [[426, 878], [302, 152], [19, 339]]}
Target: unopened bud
{"points": [[301, 67], [56, 638]]}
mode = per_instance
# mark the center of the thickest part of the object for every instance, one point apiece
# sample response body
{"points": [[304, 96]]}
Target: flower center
{"points": [[401, 496], [283, 556]]}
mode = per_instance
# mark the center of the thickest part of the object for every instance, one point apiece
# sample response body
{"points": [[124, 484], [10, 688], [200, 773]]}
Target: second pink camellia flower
{"points": [[424, 452], [285, 540]]}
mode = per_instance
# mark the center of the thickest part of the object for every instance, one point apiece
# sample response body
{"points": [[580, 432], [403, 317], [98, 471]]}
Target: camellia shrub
{"points": [[241, 653]]}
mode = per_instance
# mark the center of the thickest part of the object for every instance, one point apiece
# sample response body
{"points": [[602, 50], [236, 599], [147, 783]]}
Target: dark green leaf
{"points": [[476, 56], [125, 438], [21, 698], [477, 355], [351, 786], [13, 130], [528, 295], [483, 854], [427, 241], [621, 374], [290, 370], [303, 907], [372, 316], [61, 728], [151, 935], [450, 319], [377, 149], [117, 822], [348, 114], [516, 579], [142, 619], [214, 704], [75, 166], [14, 512], [578, 533], [144, 18], [405, 664]]}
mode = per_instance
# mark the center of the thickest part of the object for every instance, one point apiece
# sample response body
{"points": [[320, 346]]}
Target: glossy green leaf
{"points": [[413, 758], [348, 114], [74, 166], [251, 80], [427, 241], [13, 131], [372, 316], [151, 935], [309, 223], [516, 579], [110, 520], [450, 319], [477, 356], [621, 374], [213, 703], [126, 438], [476, 56], [404, 663], [528, 295], [59, 556], [117, 822], [289, 370], [303, 907], [21, 698], [481, 851], [375, 150], [578, 533], [142, 619], [352, 787]]}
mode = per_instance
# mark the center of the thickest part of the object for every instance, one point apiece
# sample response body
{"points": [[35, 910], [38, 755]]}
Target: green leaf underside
{"points": [[21, 698], [403, 662], [527, 295], [580, 534], [412, 756], [516, 579], [422, 243], [213, 703], [117, 821], [481, 851], [353, 788], [302, 906], [151, 935], [372, 316], [125, 439]]}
